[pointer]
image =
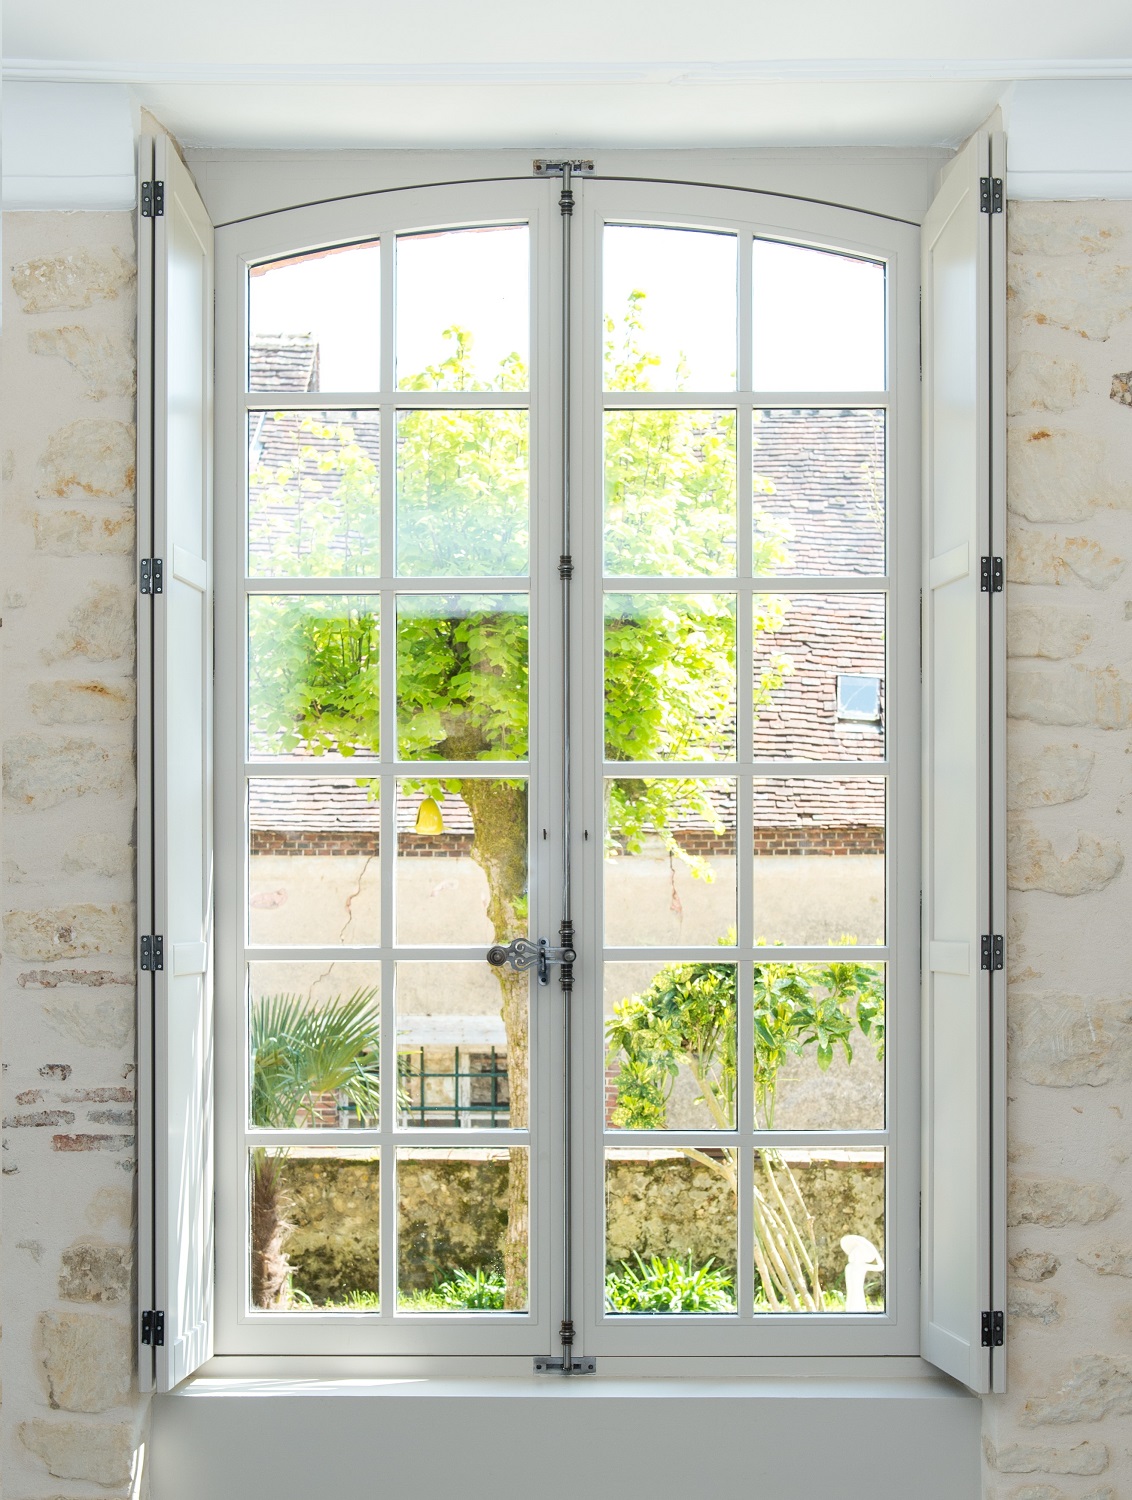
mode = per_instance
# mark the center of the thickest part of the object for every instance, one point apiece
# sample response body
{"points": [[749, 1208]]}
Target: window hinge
{"points": [[153, 1328], [990, 195], [994, 1330], [153, 200], [579, 1365], [991, 575], [152, 575], [152, 952], [993, 951]]}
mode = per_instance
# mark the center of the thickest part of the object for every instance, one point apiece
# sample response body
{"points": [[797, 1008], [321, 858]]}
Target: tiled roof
{"points": [[283, 362]]}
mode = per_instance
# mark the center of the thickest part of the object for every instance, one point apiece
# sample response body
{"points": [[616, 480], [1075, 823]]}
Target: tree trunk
{"points": [[499, 819], [271, 1270]]}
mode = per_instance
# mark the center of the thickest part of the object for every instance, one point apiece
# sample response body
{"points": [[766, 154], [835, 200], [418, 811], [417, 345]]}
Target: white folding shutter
{"points": [[175, 826], [963, 917]]}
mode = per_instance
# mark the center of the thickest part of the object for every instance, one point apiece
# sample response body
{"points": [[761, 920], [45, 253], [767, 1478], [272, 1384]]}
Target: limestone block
{"points": [[1037, 1304], [42, 771], [104, 361], [1055, 475], [1034, 1265], [96, 1273], [1060, 294], [101, 1452], [70, 700], [1108, 1259], [1032, 864], [1047, 777], [1065, 1040], [1030, 1458], [69, 931], [101, 627], [79, 279], [1057, 1201], [99, 854], [51, 979], [1063, 229], [88, 1359], [1046, 630], [1036, 382], [73, 533], [1097, 1386], [1069, 694], [1038, 557], [92, 456], [104, 1023]]}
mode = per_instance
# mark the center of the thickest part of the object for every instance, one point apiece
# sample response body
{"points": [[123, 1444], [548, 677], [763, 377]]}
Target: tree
{"points": [[462, 673], [300, 1052], [686, 1021]]}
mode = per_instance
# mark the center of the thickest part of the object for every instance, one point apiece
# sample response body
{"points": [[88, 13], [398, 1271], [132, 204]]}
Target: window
{"points": [[703, 1148]]}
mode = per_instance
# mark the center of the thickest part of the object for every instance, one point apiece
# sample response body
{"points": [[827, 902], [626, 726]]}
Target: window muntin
{"points": [[724, 577]]}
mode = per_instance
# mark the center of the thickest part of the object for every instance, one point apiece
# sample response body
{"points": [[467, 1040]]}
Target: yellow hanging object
{"points": [[429, 820]]}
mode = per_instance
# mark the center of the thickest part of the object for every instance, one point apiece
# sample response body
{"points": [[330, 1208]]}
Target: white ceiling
{"points": [[374, 73]]}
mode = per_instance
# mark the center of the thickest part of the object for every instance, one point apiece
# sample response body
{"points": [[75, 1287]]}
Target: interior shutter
{"points": [[963, 250], [175, 771]]}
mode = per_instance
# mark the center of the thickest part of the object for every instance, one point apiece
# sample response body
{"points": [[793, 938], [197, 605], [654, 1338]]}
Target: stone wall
{"points": [[1063, 1429], [73, 1418]]}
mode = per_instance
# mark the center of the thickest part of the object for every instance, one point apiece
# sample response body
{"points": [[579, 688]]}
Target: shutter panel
{"points": [[175, 824], [963, 1008]]}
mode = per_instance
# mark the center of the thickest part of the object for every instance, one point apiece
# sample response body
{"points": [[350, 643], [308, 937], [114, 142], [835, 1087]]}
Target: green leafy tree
{"points": [[685, 1022], [462, 672]]}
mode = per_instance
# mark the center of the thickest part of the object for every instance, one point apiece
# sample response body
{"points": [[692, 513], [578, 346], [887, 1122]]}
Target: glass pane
{"points": [[312, 674], [819, 491], [819, 1045], [462, 493], [313, 321], [314, 496], [315, 1229], [819, 861], [314, 1044], [818, 320], [670, 493], [669, 676], [463, 310], [670, 1231], [462, 676], [819, 1231], [462, 1045], [461, 853], [803, 643], [669, 303], [669, 861], [670, 1046], [314, 867], [462, 1229]]}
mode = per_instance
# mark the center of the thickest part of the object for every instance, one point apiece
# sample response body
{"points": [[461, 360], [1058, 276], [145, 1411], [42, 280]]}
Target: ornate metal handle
{"points": [[521, 954]]}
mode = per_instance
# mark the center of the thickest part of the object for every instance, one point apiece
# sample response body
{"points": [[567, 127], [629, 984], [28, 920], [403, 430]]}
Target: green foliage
{"points": [[664, 1284], [476, 1291], [301, 1050], [686, 1019]]}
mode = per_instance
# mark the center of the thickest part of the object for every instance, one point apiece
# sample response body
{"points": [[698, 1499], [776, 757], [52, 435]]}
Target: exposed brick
{"points": [[40, 1117], [91, 1142]]}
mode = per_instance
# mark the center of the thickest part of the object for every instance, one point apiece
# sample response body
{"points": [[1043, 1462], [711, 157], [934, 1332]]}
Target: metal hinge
{"points": [[153, 1328], [991, 575], [152, 952], [153, 200], [990, 195], [582, 1365], [994, 1330], [152, 575], [993, 951]]}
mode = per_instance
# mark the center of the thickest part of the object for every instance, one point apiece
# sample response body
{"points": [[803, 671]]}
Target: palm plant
{"points": [[301, 1051]]}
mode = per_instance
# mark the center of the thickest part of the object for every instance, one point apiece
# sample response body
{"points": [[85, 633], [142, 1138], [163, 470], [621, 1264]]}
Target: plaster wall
{"points": [[73, 1421]]}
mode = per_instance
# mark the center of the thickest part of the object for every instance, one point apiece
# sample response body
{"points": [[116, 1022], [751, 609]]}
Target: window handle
{"points": [[521, 954]]}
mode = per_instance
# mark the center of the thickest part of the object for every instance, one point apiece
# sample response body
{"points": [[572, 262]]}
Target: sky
{"points": [[818, 318]]}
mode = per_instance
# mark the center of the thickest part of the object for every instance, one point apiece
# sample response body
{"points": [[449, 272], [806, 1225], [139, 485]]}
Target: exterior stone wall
{"points": [[73, 1418], [1063, 1431]]}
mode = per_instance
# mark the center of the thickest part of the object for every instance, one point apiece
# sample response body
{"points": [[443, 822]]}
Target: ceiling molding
{"points": [[567, 74]]}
